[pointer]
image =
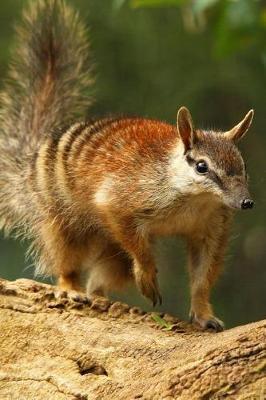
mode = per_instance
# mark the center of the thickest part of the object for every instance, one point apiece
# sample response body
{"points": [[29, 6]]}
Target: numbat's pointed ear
{"points": [[238, 131], [185, 127]]}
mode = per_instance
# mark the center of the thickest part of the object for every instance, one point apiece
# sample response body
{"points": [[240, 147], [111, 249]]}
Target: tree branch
{"points": [[54, 346]]}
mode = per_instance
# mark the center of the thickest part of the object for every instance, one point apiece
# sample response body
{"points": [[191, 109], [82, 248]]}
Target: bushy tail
{"points": [[47, 86]]}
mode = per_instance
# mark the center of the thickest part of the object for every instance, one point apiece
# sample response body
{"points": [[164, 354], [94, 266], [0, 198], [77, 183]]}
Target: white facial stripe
{"points": [[182, 176]]}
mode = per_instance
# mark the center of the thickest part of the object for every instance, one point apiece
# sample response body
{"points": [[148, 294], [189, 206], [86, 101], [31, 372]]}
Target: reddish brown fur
{"points": [[135, 154]]}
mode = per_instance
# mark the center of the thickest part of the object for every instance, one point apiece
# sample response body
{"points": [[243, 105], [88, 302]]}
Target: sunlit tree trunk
{"points": [[56, 347]]}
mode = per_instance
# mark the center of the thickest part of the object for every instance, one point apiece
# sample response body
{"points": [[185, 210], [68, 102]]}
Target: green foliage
{"points": [[201, 5], [240, 25], [236, 24], [157, 3], [118, 3]]}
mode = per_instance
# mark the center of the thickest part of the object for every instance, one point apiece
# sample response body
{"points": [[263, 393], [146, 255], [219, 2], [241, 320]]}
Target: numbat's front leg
{"points": [[202, 271], [205, 260], [146, 280], [144, 268]]}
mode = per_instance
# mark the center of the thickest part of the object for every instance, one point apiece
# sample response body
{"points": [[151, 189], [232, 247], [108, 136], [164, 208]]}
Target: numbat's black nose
{"points": [[247, 203]]}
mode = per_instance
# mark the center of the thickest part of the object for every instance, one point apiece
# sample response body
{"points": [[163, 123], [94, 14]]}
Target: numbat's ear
{"points": [[238, 131], [185, 127]]}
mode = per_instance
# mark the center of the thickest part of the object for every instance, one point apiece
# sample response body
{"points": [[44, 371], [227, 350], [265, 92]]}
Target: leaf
{"points": [[160, 321]]}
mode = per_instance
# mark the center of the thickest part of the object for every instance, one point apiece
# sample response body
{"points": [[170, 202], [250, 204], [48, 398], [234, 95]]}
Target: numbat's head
{"points": [[211, 162]]}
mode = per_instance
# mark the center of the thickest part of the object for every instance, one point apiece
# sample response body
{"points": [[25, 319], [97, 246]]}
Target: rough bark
{"points": [[54, 346]]}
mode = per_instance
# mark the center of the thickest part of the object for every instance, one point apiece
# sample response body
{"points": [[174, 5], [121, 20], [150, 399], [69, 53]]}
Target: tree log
{"points": [[60, 346]]}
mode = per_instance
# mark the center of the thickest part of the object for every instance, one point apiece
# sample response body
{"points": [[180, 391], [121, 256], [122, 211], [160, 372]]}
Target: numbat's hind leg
{"points": [[63, 259], [111, 271]]}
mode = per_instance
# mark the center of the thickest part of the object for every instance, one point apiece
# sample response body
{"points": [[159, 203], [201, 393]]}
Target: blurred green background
{"points": [[151, 57]]}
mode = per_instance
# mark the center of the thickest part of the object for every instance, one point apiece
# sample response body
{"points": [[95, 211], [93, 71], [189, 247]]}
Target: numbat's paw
{"points": [[79, 297], [146, 282], [207, 323], [73, 295]]}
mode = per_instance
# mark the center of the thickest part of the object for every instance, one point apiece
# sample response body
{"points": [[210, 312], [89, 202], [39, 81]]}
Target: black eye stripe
{"points": [[215, 178]]}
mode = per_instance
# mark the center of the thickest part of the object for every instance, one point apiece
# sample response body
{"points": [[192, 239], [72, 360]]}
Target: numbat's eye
{"points": [[202, 167]]}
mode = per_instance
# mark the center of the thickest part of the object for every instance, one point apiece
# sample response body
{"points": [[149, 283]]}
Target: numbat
{"points": [[93, 195]]}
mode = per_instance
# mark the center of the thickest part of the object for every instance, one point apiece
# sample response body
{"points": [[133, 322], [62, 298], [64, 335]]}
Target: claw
{"points": [[191, 317], [147, 283], [210, 323], [78, 297], [215, 324]]}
